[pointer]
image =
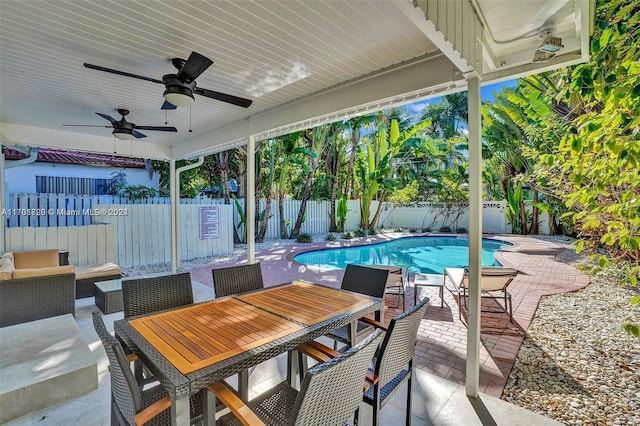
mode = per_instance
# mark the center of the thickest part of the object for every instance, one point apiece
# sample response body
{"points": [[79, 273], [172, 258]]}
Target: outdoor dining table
{"points": [[191, 347]]}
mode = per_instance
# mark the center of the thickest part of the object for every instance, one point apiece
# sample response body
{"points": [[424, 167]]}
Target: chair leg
{"points": [[355, 416], [376, 405], [114, 418], [243, 384], [408, 414]]}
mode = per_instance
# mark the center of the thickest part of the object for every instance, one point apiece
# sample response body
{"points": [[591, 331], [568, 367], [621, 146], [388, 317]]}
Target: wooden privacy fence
{"points": [[87, 245]]}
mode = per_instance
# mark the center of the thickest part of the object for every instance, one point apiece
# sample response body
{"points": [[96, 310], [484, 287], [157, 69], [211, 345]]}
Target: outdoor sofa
{"points": [[34, 286]]}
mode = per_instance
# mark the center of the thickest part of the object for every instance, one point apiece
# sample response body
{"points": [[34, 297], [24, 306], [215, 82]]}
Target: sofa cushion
{"points": [[93, 271], [36, 259], [6, 266], [40, 272]]}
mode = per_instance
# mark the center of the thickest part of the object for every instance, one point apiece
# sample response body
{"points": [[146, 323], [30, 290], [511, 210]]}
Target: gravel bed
{"points": [[576, 365]]}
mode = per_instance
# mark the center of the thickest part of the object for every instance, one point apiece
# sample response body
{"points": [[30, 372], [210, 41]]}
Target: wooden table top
{"points": [[200, 335], [304, 302]]}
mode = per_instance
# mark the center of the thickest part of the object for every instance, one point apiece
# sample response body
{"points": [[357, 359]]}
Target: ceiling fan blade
{"points": [[168, 105], [158, 128], [87, 125], [138, 134], [108, 117], [195, 65], [235, 100], [126, 74]]}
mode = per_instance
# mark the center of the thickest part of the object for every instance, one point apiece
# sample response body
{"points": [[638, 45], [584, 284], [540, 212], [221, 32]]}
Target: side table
{"points": [[428, 280], [109, 296]]}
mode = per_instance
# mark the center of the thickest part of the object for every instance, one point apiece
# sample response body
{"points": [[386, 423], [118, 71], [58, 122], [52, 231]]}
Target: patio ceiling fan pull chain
{"points": [[190, 131]]}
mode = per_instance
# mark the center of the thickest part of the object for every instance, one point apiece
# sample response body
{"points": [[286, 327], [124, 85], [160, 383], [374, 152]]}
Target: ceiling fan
{"points": [[124, 129], [180, 87]]}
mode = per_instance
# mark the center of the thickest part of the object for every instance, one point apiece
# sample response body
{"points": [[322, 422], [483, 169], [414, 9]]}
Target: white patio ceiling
{"points": [[302, 63]]}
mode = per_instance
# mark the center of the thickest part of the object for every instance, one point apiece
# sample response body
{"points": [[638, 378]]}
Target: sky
{"points": [[486, 94]]}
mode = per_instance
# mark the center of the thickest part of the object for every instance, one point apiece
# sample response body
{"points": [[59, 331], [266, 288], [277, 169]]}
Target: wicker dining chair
{"points": [[141, 296], [397, 282], [129, 404], [393, 363], [237, 279], [364, 280], [330, 393]]}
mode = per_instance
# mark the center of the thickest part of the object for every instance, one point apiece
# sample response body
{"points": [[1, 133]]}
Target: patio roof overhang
{"points": [[302, 63]]}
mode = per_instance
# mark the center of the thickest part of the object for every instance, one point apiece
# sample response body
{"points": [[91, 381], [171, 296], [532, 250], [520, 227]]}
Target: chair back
{"points": [[124, 387], [399, 343], [237, 279], [146, 295], [332, 391], [365, 280], [493, 278]]}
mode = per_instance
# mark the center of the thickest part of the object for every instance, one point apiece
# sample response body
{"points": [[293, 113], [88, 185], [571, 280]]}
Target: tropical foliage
{"points": [[565, 142]]}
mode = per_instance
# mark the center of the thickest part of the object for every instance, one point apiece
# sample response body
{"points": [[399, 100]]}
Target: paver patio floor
{"points": [[441, 348]]}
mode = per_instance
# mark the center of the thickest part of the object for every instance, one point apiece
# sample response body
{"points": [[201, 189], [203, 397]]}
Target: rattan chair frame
{"points": [[237, 279], [127, 399], [393, 364], [141, 296], [330, 393], [365, 280], [34, 298]]}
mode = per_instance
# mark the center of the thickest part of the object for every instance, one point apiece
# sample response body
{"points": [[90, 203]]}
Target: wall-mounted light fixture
{"points": [[550, 45]]}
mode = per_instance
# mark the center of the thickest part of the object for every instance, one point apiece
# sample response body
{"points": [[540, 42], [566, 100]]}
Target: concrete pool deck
{"points": [[441, 348]]}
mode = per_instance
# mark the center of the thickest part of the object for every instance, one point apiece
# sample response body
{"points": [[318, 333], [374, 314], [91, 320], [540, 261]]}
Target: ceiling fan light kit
{"points": [[178, 96], [123, 134]]}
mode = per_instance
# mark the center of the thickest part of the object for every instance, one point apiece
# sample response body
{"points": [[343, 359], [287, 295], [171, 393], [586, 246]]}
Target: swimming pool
{"points": [[427, 255]]}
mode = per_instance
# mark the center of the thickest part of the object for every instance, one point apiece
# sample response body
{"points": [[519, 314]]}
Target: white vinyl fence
{"points": [[142, 233], [139, 234], [87, 245]]}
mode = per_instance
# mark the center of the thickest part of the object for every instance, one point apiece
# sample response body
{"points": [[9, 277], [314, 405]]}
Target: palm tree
{"points": [[315, 140]]}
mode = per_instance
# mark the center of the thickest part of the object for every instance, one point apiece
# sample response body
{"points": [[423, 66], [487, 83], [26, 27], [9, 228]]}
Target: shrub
{"points": [[330, 237], [347, 236], [461, 230], [360, 233], [398, 229], [413, 231], [304, 238], [445, 229], [426, 229]]}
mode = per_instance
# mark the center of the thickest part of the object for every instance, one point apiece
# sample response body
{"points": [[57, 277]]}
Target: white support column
{"points": [[173, 193], [251, 197], [175, 207], [3, 246], [475, 236]]}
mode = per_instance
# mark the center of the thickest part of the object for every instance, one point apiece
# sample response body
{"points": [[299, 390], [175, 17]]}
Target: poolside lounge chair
{"points": [[493, 280]]}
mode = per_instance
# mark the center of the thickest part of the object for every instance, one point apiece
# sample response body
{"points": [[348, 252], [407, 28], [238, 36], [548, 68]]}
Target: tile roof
{"points": [[49, 155]]}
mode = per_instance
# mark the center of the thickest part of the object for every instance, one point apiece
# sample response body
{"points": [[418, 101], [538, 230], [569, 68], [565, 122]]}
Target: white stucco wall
{"points": [[22, 179]]}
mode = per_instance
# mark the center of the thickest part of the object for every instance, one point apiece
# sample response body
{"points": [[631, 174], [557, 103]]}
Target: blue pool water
{"points": [[427, 255]]}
